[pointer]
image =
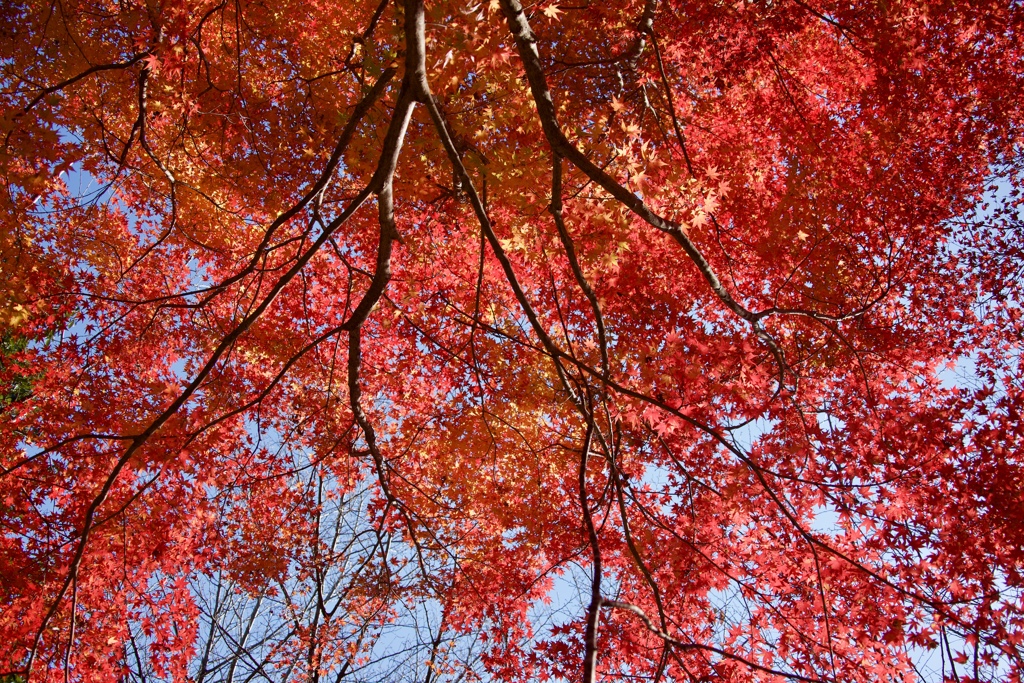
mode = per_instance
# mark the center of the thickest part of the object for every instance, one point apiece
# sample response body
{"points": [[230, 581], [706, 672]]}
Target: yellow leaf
{"points": [[552, 12]]}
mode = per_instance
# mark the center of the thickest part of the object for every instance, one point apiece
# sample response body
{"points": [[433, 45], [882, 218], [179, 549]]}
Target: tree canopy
{"points": [[626, 340]]}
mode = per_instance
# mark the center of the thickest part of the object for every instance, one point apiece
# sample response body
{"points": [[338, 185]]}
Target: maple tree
{"points": [[391, 340]]}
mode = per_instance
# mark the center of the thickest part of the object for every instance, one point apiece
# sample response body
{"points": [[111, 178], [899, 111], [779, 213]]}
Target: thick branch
{"points": [[526, 44]]}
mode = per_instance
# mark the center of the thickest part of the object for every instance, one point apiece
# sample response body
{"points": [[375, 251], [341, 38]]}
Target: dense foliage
{"points": [[670, 341]]}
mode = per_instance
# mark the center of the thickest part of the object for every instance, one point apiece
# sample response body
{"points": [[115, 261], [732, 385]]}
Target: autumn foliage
{"points": [[669, 341]]}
